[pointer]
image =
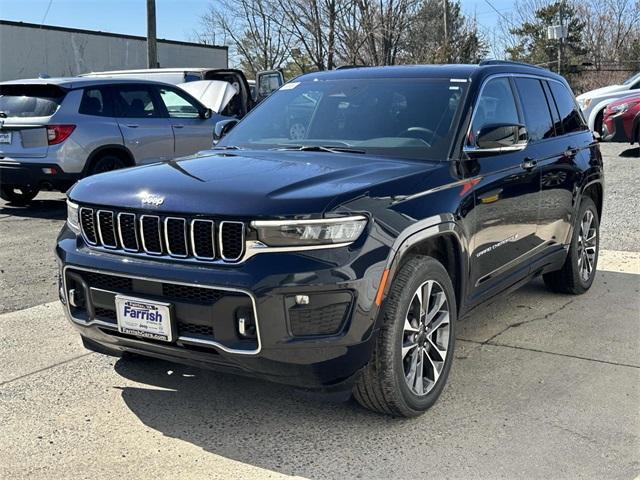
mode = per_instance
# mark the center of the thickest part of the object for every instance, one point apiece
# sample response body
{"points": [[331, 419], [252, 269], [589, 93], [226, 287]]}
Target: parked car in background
{"points": [[339, 255], [267, 81], [56, 131], [594, 102], [622, 119]]}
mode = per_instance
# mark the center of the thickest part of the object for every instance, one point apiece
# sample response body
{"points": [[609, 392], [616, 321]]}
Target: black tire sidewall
{"points": [[7, 193], [586, 204], [96, 164], [430, 269]]}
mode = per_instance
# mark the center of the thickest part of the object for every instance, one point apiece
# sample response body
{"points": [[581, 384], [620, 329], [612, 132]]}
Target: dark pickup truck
{"points": [[338, 255]]}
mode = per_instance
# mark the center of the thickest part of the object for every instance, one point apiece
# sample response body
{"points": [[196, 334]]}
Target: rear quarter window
{"points": [[95, 102], [30, 100], [570, 117]]}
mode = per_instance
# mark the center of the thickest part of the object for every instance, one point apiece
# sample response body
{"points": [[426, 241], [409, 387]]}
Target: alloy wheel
{"points": [[587, 246], [425, 337]]}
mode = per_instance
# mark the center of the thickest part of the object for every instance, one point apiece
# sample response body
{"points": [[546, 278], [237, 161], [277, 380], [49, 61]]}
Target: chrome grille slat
{"points": [[199, 248], [166, 236], [176, 247], [231, 238], [106, 228], [88, 226], [127, 225], [149, 223]]}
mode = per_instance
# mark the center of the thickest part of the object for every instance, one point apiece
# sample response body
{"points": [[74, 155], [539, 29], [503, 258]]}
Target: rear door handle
{"points": [[570, 151], [178, 126], [529, 164], [132, 125]]}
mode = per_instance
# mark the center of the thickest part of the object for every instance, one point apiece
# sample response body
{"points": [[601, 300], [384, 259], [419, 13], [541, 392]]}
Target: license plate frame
{"points": [[139, 317], [5, 138]]}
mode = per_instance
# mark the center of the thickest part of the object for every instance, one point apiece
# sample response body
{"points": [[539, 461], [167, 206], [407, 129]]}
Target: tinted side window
{"points": [[495, 105], [536, 110], [94, 102], [135, 102], [554, 109], [570, 117]]}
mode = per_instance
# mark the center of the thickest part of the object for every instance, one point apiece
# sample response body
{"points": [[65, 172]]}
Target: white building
{"points": [[28, 50]]}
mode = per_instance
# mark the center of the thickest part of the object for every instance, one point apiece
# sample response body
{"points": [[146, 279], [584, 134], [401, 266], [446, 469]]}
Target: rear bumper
{"points": [[329, 361], [39, 175]]}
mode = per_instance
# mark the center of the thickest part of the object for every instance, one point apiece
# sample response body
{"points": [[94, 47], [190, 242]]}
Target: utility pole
{"points": [[446, 30], [561, 44], [152, 45]]}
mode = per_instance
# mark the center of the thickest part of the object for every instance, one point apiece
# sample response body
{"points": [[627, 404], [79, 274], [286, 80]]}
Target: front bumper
{"points": [[38, 175], [322, 348], [613, 129]]}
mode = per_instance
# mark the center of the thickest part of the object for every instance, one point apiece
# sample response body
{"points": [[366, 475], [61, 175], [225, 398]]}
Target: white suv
{"points": [[594, 102], [55, 131]]}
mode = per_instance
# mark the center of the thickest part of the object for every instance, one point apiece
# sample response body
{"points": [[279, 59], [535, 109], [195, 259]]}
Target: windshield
{"points": [[394, 117], [632, 79], [29, 100]]}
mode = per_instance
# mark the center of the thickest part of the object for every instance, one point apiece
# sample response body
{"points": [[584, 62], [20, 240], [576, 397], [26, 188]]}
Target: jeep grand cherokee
{"points": [[340, 256]]}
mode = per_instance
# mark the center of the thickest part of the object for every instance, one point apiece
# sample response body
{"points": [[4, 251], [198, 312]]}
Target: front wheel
{"points": [[579, 270], [414, 348], [18, 195]]}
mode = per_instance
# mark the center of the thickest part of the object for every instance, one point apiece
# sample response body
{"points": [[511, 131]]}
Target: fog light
{"points": [[246, 324]]}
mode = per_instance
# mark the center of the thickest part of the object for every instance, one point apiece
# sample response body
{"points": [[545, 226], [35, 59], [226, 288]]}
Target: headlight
{"points": [[72, 216], [288, 233], [619, 108], [584, 103]]}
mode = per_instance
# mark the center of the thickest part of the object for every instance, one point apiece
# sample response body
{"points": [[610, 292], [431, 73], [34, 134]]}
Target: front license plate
{"points": [[143, 318], [5, 137]]}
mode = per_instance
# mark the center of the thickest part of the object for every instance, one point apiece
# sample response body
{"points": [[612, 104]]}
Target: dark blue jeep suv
{"points": [[334, 236]]}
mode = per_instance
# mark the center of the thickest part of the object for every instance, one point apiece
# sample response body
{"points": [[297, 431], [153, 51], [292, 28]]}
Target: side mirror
{"points": [[222, 128], [206, 114], [498, 138], [267, 82]]}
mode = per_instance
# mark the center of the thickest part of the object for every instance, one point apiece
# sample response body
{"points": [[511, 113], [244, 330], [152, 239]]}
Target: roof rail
{"points": [[485, 63]]}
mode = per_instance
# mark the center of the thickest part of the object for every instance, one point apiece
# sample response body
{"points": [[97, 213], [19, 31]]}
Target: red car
{"points": [[622, 119]]}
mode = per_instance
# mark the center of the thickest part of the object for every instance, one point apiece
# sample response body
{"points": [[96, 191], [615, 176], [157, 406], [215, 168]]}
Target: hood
{"points": [[213, 94], [599, 92], [249, 184], [634, 97]]}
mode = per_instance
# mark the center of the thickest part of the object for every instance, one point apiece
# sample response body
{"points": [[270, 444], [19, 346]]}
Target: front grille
{"points": [[176, 237], [109, 282], [188, 293]]}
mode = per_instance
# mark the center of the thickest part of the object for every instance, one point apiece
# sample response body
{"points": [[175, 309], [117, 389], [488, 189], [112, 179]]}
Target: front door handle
{"points": [[132, 125], [528, 164], [178, 126], [570, 151]]}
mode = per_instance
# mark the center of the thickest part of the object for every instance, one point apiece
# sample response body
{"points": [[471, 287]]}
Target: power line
{"points": [[499, 13], [44, 17]]}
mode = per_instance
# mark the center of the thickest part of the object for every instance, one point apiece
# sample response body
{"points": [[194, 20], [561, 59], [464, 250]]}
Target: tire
{"points": [[597, 123], [384, 385], [106, 163], [572, 278], [18, 195]]}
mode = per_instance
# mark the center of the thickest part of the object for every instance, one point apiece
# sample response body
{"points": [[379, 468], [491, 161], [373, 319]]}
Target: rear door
{"points": [[25, 111], [506, 200], [192, 132], [145, 127], [561, 157]]}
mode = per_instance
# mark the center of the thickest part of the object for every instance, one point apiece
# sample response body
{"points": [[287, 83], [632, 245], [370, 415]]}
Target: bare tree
{"points": [[253, 29]]}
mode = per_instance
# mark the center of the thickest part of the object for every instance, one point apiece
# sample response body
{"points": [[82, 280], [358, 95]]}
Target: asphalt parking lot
{"points": [[543, 385]]}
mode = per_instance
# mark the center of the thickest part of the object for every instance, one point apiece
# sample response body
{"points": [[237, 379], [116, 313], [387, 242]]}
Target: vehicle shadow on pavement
{"points": [[49, 209], [493, 394], [631, 152]]}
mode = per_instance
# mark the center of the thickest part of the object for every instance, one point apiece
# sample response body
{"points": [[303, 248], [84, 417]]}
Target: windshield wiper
{"points": [[321, 148]]}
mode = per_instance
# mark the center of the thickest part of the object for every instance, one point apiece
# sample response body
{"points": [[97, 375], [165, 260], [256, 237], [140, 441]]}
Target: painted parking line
{"points": [[619, 261]]}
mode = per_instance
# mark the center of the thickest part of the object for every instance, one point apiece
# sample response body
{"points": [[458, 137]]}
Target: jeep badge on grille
{"points": [[151, 199]]}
